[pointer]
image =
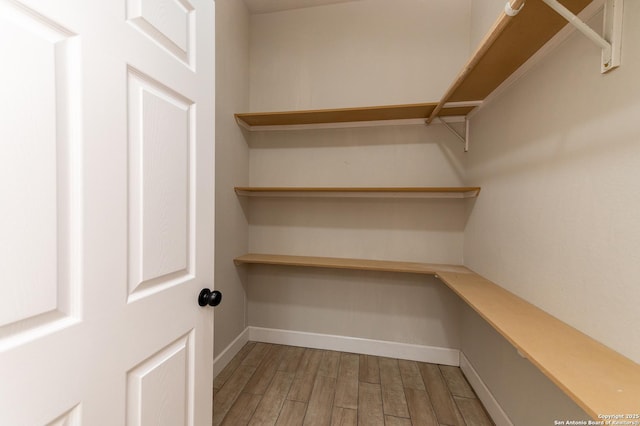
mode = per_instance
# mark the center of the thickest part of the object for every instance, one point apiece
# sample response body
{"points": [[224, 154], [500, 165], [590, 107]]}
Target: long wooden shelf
{"points": [[345, 263], [598, 379], [388, 113], [509, 44], [360, 192]]}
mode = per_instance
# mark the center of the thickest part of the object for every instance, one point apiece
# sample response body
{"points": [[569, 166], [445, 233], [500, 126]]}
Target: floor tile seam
{"points": [[236, 399], [465, 397], [448, 391], [238, 365], [429, 401], [308, 403], [252, 411]]}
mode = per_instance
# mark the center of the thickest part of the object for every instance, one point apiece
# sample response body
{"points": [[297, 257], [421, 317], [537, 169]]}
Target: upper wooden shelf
{"points": [[388, 113], [598, 379], [509, 44], [361, 192]]}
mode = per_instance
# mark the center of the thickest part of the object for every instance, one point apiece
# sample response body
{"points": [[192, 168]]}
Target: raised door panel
{"points": [[160, 388], [39, 162], [161, 232]]}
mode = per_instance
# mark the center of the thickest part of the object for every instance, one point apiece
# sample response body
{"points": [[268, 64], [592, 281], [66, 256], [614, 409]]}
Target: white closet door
{"points": [[106, 212]]}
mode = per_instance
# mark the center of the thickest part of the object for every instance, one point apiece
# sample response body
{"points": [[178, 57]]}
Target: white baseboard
{"points": [[230, 351], [494, 409], [432, 354]]}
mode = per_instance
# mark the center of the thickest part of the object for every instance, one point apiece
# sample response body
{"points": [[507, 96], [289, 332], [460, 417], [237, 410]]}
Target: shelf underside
{"points": [[598, 379], [360, 192], [509, 48]]}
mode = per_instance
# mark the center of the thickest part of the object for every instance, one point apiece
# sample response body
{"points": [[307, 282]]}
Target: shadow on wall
{"points": [[413, 155], [408, 308]]}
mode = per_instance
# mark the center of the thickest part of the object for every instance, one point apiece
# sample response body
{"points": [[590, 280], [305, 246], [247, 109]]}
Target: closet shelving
{"points": [[361, 192], [598, 379], [334, 117], [346, 263], [510, 43]]}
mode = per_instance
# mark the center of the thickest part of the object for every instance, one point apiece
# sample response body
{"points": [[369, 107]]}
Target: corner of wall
{"points": [[231, 169]]}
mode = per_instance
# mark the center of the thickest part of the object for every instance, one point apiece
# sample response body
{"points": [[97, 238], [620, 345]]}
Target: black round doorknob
{"points": [[208, 297]]}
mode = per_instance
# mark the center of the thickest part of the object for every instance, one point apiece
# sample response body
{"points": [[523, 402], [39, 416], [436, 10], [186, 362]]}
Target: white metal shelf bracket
{"points": [[611, 43], [510, 11], [464, 139]]}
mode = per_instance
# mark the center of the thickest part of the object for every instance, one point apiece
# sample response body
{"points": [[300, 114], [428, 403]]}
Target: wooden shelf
{"points": [[508, 45], [361, 192], [387, 113], [345, 263], [598, 379]]}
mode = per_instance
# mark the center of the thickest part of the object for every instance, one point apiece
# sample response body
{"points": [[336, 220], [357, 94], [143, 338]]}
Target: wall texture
{"points": [[370, 52], [232, 167], [484, 14], [557, 157], [362, 53]]}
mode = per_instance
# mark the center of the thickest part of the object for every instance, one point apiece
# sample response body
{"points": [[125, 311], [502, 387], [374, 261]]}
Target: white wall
{"points": [[361, 53], [232, 167], [557, 157]]}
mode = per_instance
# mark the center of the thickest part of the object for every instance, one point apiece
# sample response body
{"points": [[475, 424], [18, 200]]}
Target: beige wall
{"points": [[412, 230], [232, 161], [484, 13], [557, 157], [361, 53], [369, 52]]}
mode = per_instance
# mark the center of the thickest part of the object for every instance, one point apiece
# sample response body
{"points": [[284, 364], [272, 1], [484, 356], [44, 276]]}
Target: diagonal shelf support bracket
{"points": [[464, 139], [611, 43]]}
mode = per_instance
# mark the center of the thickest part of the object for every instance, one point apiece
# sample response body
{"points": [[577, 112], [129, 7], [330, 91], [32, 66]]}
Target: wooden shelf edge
{"points": [[342, 117], [597, 378], [347, 263], [360, 192]]}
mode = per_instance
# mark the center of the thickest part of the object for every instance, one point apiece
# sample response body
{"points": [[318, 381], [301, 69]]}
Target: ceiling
{"points": [[266, 6]]}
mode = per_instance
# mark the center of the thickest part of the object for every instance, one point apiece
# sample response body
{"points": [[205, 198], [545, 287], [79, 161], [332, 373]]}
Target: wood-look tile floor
{"points": [[269, 384]]}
